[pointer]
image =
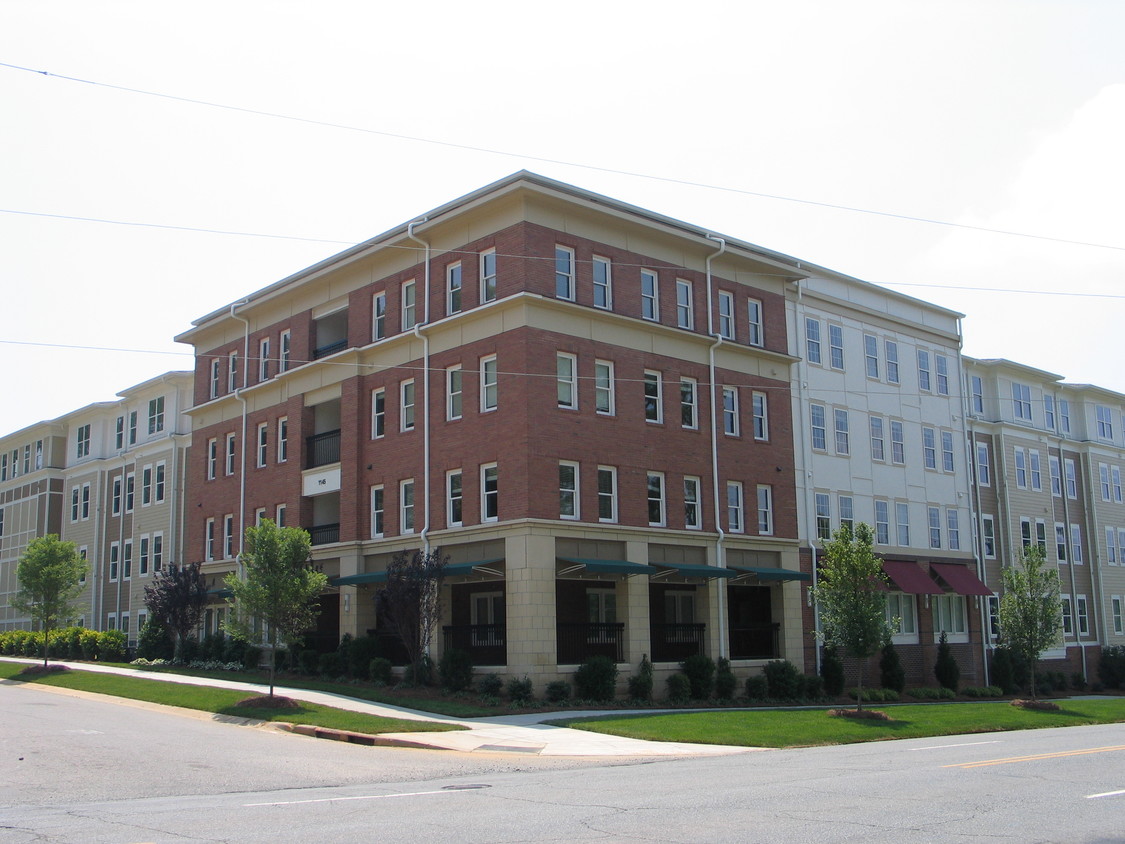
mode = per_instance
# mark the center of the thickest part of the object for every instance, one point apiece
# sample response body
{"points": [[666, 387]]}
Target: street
{"points": [[80, 769]]}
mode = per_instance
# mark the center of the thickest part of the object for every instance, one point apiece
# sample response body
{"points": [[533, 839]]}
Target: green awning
{"points": [[455, 569], [694, 570], [604, 566], [764, 573], [221, 592]]}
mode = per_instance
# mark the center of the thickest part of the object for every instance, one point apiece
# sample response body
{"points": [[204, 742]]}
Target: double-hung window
{"points": [[693, 506], [378, 513], [765, 509], [453, 392], [285, 343], [976, 393], [564, 273], [685, 310], [232, 372], [489, 493], [655, 488], [923, 370], [878, 449], [730, 411], [607, 494], [836, 346], [754, 322], [488, 275], [726, 315], [453, 288], [454, 498], [898, 443], [1021, 401], [604, 402], [488, 384], [735, 508], [406, 405], [650, 295], [283, 439], [871, 355], [408, 305], [566, 366], [263, 443], [156, 415], [406, 506], [933, 520], [761, 416], [843, 441], [264, 359], [603, 283], [818, 426], [1055, 470], [654, 403], [941, 373], [568, 490], [947, 451], [882, 523], [812, 340], [953, 529], [823, 504], [1104, 417], [231, 450], [890, 347], [689, 403]]}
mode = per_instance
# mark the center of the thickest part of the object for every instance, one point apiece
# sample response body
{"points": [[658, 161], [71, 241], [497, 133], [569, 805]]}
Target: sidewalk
{"points": [[519, 734]]}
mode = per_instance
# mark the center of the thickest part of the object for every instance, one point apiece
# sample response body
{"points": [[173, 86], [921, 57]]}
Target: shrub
{"points": [[234, 649], [784, 679], [1078, 680], [363, 650], [1045, 682], [251, 657], [1009, 670], [982, 691], [725, 681], [153, 641], [212, 647], [812, 687], [344, 651], [875, 695], [891, 673], [700, 671], [557, 691], [1111, 667], [72, 636], [679, 688], [520, 691], [330, 665], [89, 642], [456, 670], [832, 671], [425, 673], [931, 693], [187, 651], [490, 685], [308, 661], [380, 670], [111, 646], [640, 684], [596, 678], [757, 687], [945, 667]]}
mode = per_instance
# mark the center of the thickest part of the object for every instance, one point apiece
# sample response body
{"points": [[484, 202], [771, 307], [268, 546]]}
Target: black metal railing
{"points": [[322, 449], [324, 534], [330, 349], [755, 641], [486, 643], [578, 642], [676, 642]]}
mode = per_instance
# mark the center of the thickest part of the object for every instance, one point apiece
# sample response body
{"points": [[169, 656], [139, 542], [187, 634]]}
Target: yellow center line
{"points": [[1059, 755]]}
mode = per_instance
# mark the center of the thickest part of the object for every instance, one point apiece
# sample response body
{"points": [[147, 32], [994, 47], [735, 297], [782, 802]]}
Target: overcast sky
{"points": [[994, 115]]}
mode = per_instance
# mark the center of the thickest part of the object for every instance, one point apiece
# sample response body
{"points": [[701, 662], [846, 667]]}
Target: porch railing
{"points": [[755, 641], [578, 642], [324, 534], [323, 449], [330, 349], [676, 642], [486, 643]]}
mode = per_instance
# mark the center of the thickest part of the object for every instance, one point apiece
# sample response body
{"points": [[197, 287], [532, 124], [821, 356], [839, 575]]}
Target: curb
{"points": [[349, 736]]}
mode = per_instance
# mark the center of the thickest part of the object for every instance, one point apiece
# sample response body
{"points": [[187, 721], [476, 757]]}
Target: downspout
{"points": [[242, 438], [121, 537], [425, 534], [806, 459], [720, 555], [1094, 543], [978, 557], [96, 575]]}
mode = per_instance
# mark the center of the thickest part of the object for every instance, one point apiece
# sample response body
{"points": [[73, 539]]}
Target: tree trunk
{"points": [[46, 644], [273, 656], [859, 688]]}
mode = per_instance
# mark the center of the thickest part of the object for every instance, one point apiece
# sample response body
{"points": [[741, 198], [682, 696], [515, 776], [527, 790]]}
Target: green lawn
{"points": [[806, 727], [218, 701]]}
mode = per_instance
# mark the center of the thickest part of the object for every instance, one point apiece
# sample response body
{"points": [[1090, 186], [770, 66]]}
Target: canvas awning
{"points": [[692, 570], [961, 579], [451, 570], [579, 564], [359, 579], [767, 573], [910, 578]]}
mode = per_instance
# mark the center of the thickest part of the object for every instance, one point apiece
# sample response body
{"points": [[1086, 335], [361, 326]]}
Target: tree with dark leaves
{"points": [[411, 602], [176, 599]]}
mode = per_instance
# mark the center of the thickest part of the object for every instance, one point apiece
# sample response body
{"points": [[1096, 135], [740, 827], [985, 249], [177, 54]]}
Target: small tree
{"points": [[50, 576], [411, 602], [891, 673], [176, 599], [1030, 608], [946, 669], [279, 588], [851, 597]]}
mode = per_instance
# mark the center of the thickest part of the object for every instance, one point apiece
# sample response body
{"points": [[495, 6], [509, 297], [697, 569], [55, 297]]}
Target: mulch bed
{"points": [[267, 702], [45, 669], [1040, 705], [863, 714]]}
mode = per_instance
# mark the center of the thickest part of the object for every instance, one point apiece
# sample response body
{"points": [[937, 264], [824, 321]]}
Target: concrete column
{"points": [[351, 562], [529, 560], [788, 608], [633, 608]]}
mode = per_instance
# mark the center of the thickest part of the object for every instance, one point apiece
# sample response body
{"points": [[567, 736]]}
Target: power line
{"points": [[547, 160]]}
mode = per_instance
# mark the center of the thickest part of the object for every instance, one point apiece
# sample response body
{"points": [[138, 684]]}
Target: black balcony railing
{"points": [[578, 642], [486, 643], [324, 534], [676, 642], [330, 349], [755, 641], [322, 449]]}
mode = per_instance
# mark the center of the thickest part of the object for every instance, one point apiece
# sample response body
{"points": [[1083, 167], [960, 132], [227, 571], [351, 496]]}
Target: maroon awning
{"points": [[910, 578], [961, 579]]}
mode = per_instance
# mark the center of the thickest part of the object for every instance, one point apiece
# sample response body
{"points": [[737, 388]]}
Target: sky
{"points": [[160, 160]]}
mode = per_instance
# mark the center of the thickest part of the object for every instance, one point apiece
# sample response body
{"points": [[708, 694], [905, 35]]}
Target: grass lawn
{"points": [[218, 701], [807, 727]]}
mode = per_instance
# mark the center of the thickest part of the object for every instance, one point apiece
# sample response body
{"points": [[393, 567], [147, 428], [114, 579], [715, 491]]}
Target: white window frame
{"points": [[230, 452], [406, 505], [924, 378], [890, 351], [566, 380], [685, 307], [842, 431], [603, 282], [929, 447], [871, 355], [902, 524], [951, 617], [454, 279], [836, 346], [283, 439], [232, 372], [812, 340], [822, 515], [454, 498], [878, 438], [1071, 476], [654, 397], [941, 374], [736, 508], [564, 273], [1062, 544], [408, 304], [732, 424], [407, 401], [693, 501], [489, 498], [1076, 555], [689, 403], [569, 490], [902, 617], [607, 473], [761, 411], [1054, 466], [953, 529], [285, 350], [818, 427], [650, 295], [605, 399], [216, 383], [656, 503], [988, 535], [263, 443], [378, 511], [984, 466], [754, 322], [765, 510], [933, 522], [976, 392], [454, 392], [489, 384], [264, 359], [898, 443], [1082, 615], [488, 275], [726, 315]]}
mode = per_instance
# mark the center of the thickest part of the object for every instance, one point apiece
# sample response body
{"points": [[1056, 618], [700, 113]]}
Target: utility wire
{"points": [[547, 160]]}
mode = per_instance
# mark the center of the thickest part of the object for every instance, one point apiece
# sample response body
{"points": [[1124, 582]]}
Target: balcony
{"points": [[755, 641], [485, 643], [676, 642], [330, 349], [322, 449], [324, 534], [578, 642]]}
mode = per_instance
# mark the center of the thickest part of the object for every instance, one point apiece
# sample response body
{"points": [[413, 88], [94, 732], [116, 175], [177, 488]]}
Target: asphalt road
{"points": [[81, 770]]}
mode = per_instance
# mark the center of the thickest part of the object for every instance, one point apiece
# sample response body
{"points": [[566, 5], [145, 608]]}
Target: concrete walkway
{"points": [[517, 734]]}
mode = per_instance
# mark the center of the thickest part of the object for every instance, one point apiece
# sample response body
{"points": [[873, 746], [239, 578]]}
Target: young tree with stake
{"points": [[50, 574]]}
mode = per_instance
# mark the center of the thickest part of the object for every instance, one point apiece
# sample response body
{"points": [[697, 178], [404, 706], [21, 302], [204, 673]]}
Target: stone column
{"points": [[529, 560]]}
